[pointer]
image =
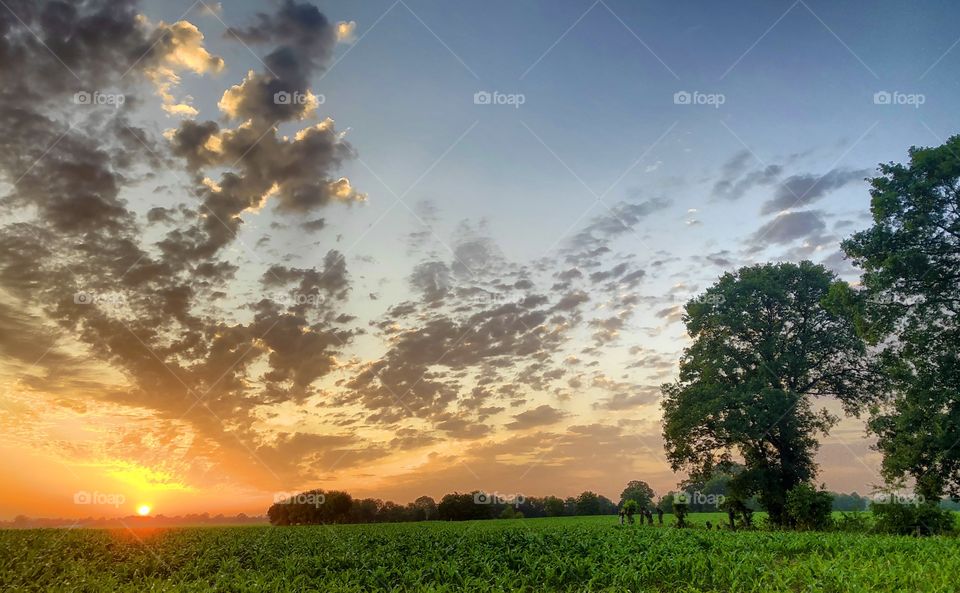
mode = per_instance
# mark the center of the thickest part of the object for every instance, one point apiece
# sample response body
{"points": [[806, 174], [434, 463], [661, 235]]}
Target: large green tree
{"points": [[765, 343], [639, 491], [911, 262]]}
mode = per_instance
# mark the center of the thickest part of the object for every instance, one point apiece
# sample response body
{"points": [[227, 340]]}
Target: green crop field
{"points": [[559, 554]]}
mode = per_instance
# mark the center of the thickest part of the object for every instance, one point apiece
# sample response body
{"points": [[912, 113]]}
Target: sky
{"points": [[408, 247]]}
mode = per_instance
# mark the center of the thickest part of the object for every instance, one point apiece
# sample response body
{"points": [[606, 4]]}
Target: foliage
{"points": [[910, 306], [588, 503], [510, 512], [809, 508], [912, 519], [739, 514], [764, 344], [665, 503], [850, 502], [583, 554], [680, 511], [631, 508], [853, 522], [639, 491], [311, 508], [462, 507], [553, 506]]}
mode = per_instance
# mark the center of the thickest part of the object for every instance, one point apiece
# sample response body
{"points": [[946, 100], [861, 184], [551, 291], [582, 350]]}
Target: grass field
{"points": [[558, 554]]}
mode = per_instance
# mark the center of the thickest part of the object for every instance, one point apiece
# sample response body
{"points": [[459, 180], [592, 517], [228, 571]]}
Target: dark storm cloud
{"points": [[802, 190]]}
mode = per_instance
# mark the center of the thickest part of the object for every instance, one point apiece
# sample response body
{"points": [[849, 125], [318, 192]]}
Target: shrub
{"points": [[809, 508], [680, 510], [853, 523], [911, 519], [631, 508]]}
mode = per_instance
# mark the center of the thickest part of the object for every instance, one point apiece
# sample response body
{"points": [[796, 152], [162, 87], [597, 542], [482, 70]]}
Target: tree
{"points": [[462, 507], [911, 310], [588, 503], [665, 503], [765, 343], [606, 506], [809, 508], [427, 506], [639, 491], [631, 508], [553, 506], [679, 510]]}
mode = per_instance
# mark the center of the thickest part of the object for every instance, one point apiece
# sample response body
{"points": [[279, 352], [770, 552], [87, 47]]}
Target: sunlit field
{"points": [[556, 554]]}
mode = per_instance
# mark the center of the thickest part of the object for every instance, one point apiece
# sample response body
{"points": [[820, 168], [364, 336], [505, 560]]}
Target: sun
{"points": [[143, 510]]}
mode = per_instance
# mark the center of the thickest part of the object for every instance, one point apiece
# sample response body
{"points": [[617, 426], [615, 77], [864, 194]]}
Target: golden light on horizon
{"points": [[143, 510]]}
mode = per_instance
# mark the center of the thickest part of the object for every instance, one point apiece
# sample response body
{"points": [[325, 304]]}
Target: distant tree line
{"points": [[315, 507], [333, 506]]}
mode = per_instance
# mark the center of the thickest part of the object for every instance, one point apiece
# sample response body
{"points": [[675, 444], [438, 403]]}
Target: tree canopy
{"points": [[910, 305], [765, 343], [639, 491]]}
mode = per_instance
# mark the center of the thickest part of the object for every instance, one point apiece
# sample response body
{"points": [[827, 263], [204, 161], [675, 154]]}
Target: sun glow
{"points": [[143, 510]]}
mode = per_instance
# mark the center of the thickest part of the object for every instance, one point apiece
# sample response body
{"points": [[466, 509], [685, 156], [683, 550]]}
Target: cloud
{"points": [[622, 401], [304, 40], [788, 227], [346, 31], [179, 48], [544, 415], [798, 191], [593, 241], [150, 310], [736, 179]]}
